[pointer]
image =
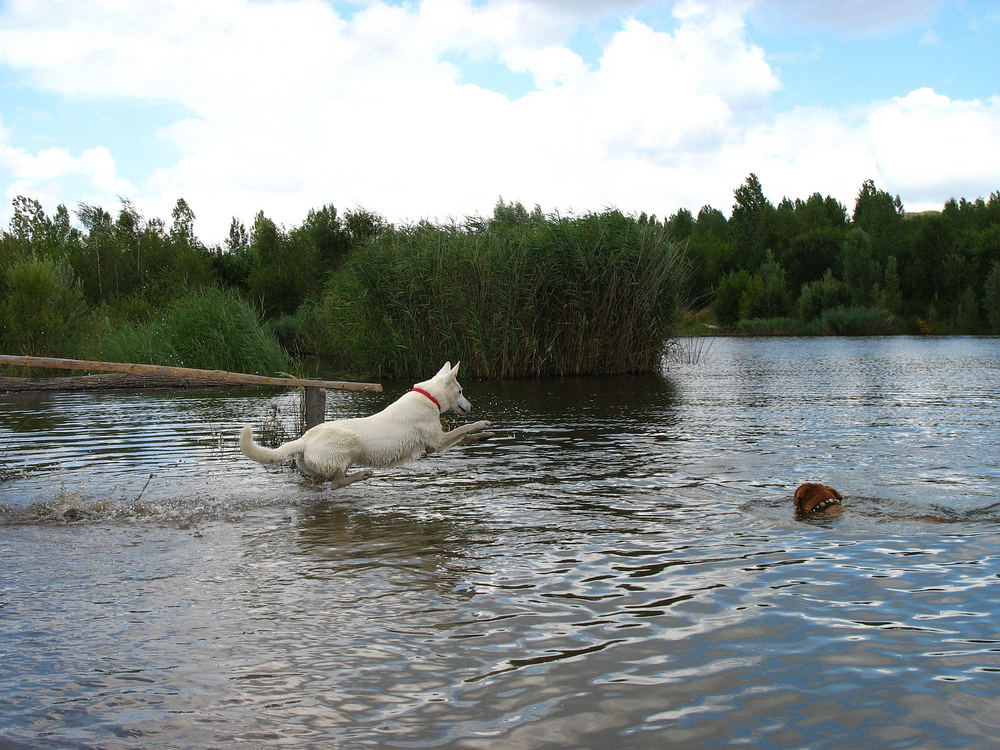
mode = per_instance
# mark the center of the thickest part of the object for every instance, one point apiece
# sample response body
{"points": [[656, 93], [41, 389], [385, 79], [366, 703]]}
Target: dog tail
{"points": [[263, 455]]}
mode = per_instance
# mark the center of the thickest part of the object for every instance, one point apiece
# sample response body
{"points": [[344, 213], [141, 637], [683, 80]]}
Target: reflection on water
{"points": [[619, 567]]}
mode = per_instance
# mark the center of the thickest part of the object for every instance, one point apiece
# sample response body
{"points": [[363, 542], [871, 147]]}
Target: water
{"points": [[619, 567]]}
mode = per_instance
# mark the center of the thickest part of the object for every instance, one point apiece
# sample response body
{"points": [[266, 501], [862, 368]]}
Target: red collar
{"points": [[421, 390]]}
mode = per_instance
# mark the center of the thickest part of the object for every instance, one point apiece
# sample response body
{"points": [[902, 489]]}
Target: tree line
{"points": [[801, 266], [807, 266]]}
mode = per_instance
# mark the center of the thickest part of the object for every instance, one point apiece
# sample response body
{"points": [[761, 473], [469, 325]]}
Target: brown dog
{"points": [[812, 498]]}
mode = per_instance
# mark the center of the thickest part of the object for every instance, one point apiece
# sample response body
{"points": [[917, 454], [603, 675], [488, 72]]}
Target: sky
{"points": [[437, 109]]}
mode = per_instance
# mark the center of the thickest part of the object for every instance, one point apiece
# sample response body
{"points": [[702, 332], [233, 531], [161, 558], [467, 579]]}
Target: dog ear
{"points": [[836, 494], [801, 492], [444, 370], [454, 371]]}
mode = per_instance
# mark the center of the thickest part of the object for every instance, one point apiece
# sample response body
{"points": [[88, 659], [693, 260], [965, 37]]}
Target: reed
{"points": [[525, 296], [780, 326], [858, 321], [209, 329], [690, 350]]}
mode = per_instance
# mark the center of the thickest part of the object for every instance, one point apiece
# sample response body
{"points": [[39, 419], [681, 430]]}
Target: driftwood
{"points": [[106, 382], [155, 375]]}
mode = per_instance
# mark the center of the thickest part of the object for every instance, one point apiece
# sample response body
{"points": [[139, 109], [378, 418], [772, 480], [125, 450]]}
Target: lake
{"points": [[619, 567]]}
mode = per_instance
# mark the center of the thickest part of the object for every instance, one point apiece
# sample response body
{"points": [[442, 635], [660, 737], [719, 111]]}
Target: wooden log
{"points": [[164, 371], [105, 382]]}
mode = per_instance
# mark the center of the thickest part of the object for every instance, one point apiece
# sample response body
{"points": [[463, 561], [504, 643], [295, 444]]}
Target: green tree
{"points": [[190, 265], [889, 296], [811, 254], [30, 224], [681, 225], [363, 225], [965, 316], [991, 298], [182, 228], [233, 263], [984, 252], [713, 221], [766, 294], [284, 267], [788, 224], [238, 240], [876, 211], [862, 272], [817, 212], [95, 260], [924, 278], [729, 297], [881, 216], [752, 224], [709, 252], [43, 311], [332, 241]]}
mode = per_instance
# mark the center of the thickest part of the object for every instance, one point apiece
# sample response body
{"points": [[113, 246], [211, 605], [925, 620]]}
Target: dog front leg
{"points": [[475, 437], [462, 435]]}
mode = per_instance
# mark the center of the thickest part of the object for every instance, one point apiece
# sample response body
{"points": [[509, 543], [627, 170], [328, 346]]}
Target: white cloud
{"points": [[925, 139], [550, 66], [291, 106], [47, 174]]}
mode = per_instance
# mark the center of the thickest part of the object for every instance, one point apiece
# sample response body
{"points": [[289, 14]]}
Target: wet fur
{"points": [[406, 429], [807, 496]]}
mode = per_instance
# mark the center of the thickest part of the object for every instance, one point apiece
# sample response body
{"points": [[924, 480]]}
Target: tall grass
{"points": [[772, 327], [837, 321], [597, 294], [209, 329], [858, 321]]}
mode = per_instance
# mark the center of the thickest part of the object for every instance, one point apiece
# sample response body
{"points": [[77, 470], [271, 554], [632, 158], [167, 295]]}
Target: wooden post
{"points": [[315, 403]]}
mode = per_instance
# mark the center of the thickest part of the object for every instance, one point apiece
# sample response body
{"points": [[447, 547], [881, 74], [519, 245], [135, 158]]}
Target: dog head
{"points": [[446, 390], [817, 498]]}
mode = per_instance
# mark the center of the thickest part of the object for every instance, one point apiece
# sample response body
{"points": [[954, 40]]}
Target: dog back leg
{"points": [[330, 457], [347, 479]]}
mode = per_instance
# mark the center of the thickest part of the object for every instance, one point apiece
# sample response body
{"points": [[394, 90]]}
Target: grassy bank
{"points": [[208, 328]]}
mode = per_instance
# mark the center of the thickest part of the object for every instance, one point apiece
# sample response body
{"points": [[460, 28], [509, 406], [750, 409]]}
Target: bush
{"points": [[44, 311], [208, 329], [517, 296], [965, 317], [766, 296], [770, 327], [858, 321], [300, 333], [729, 296], [825, 294]]}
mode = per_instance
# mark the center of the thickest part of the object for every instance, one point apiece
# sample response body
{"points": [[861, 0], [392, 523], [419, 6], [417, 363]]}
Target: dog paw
{"points": [[476, 437], [483, 425]]}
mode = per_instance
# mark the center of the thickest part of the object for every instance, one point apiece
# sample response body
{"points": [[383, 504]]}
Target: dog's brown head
{"points": [[817, 498]]}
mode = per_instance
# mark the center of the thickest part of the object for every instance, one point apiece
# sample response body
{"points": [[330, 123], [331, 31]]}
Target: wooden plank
{"points": [[217, 376]]}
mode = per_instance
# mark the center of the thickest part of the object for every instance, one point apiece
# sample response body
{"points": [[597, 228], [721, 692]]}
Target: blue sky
{"points": [[437, 108]]}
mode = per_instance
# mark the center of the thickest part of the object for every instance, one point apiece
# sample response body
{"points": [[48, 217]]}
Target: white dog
{"points": [[406, 429]]}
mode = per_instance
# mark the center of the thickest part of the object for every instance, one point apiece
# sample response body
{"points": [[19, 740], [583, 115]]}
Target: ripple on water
{"points": [[619, 567]]}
